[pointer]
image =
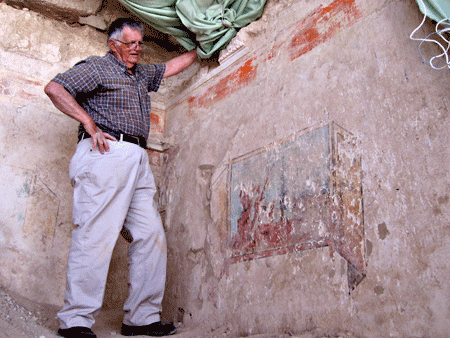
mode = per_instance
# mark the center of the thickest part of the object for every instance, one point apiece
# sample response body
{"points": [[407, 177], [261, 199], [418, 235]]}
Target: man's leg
{"points": [[147, 254], [103, 188]]}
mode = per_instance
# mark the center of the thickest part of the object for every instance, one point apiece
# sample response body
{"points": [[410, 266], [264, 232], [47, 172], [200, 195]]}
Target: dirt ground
{"points": [[21, 318]]}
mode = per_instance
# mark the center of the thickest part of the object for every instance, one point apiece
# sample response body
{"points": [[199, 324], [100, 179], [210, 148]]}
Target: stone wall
{"points": [[310, 63]]}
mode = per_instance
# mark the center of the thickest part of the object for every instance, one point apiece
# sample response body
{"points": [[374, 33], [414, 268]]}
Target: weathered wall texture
{"points": [[347, 61], [36, 144], [308, 64]]}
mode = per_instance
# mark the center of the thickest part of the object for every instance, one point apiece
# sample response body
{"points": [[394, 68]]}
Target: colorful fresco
{"points": [[299, 193]]}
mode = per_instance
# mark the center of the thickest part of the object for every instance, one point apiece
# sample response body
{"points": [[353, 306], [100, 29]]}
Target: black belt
{"points": [[139, 140]]}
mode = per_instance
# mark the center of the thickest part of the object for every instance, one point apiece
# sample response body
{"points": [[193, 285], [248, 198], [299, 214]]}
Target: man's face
{"points": [[131, 53]]}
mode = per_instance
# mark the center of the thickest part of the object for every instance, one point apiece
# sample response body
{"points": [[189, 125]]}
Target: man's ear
{"points": [[112, 45]]}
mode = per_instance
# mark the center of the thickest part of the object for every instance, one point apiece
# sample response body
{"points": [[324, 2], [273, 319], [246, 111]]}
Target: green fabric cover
{"points": [[436, 10], [207, 25]]}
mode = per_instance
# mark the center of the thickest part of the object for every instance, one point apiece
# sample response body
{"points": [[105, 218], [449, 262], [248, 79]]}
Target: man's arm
{"points": [[180, 63], [66, 103]]}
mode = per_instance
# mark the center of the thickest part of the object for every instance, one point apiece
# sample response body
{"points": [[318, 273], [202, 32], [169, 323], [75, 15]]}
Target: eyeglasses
{"points": [[131, 43]]}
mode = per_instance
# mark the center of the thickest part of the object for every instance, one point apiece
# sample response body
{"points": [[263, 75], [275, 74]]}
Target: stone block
{"points": [[69, 9]]}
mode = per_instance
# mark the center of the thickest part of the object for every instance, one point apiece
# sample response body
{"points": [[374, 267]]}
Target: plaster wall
{"points": [[350, 62]]}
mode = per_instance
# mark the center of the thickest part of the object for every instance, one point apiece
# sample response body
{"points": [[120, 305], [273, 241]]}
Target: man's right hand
{"points": [[99, 138], [65, 102]]}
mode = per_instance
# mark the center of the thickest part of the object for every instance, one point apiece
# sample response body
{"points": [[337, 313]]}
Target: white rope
{"points": [[444, 45]]}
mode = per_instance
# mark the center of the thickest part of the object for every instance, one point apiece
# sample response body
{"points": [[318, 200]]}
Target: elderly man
{"points": [[113, 183]]}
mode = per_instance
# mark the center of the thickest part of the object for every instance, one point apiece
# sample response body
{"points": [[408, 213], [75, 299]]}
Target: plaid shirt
{"points": [[114, 98]]}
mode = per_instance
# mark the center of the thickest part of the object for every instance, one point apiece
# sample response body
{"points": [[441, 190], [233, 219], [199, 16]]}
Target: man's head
{"points": [[124, 39]]}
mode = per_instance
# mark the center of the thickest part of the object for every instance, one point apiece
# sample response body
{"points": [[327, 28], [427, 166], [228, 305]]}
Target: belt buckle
{"points": [[130, 138], [136, 138]]}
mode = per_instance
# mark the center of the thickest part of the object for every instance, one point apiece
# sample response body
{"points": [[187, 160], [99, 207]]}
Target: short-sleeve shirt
{"points": [[114, 98]]}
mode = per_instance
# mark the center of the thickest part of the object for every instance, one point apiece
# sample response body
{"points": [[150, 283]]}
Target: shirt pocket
{"points": [[111, 86]]}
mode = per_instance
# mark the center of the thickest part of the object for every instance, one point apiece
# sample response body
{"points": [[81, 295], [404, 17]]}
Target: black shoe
{"points": [[157, 329], [77, 332]]}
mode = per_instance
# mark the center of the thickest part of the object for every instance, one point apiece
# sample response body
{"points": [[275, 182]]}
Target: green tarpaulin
{"points": [[436, 10], [207, 25], [439, 11]]}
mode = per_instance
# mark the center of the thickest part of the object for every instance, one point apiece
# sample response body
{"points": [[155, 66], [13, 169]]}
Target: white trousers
{"points": [[112, 190]]}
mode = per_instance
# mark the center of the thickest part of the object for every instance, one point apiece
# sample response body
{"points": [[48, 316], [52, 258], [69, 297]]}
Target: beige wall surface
{"points": [[304, 64], [36, 144]]}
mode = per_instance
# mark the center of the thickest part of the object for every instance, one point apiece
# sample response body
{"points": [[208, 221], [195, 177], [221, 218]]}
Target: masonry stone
{"points": [[70, 9]]}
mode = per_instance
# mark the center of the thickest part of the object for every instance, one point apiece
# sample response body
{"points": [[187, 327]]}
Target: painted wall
{"points": [[345, 61]]}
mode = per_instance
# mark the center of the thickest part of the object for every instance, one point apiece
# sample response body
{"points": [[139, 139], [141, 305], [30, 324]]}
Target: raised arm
{"points": [[180, 63], [66, 103]]}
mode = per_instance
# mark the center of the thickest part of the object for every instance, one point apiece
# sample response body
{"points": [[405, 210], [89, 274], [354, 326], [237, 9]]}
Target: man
{"points": [[113, 183]]}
